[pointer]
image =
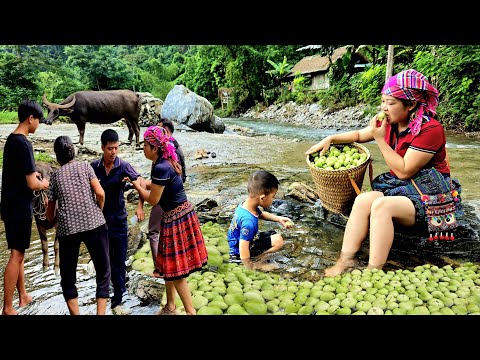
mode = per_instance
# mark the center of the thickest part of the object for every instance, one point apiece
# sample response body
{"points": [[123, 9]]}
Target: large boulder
{"points": [[185, 107], [150, 108]]}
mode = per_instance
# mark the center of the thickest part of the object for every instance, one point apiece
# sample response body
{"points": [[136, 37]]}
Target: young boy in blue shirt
{"points": [[243, 237]]}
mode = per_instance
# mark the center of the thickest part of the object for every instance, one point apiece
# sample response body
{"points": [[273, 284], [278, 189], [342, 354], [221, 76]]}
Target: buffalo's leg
{"points": [[42, 231], [81, 131], [136, 128], [133, 127], [130, 130]]}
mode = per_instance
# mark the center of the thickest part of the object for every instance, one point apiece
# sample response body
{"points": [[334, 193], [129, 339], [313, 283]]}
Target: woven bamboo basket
{"points": [[334, 187]]}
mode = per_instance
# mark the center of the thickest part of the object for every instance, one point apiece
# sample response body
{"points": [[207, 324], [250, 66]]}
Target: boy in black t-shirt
{"points": [[19, 180]]}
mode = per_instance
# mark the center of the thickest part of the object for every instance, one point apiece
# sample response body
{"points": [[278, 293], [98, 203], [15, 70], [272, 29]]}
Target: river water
{"points": [[311, 246]]}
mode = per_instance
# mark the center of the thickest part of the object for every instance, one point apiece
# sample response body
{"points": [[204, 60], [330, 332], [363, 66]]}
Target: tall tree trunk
{"points": [[389, 71]]}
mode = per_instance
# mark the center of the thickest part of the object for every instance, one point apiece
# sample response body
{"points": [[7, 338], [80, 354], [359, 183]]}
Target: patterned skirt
{"points": [[431, 182], [181, 247]]}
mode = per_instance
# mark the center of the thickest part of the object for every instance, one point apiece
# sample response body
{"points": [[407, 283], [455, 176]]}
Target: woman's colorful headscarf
{"points": [[157, 136], [413, 85]]}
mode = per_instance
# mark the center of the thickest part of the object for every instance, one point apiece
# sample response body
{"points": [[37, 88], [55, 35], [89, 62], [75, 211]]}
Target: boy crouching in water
{"points": [[243, 237]]}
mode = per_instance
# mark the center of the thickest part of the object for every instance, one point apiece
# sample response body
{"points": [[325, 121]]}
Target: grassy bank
{"points": [[38, 156], [8, 117], [11, 117]]}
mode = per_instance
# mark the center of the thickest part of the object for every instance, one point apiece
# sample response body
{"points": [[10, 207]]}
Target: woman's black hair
{"points": [[174, 164], [64, 149], [407, 103]]}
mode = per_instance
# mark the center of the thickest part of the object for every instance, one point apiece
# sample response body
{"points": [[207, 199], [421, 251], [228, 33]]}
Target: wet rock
{"points": [[302, 192], [286, 207], [239, 130], [410, 240], [145, 287], [131, 195], [200, 154], [206, 205], [83, 150], [224, 218], [150, 109], [136, 237], [312, 115]]}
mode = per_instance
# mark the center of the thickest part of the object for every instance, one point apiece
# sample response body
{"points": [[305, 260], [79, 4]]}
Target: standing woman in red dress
{"points": [[181, 247]]}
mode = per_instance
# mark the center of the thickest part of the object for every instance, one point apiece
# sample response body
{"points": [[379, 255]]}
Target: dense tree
{"points": [[58, 70]]}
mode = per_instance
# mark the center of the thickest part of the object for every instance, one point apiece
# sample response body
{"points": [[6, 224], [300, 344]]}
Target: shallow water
{"points": [[309, 247]]}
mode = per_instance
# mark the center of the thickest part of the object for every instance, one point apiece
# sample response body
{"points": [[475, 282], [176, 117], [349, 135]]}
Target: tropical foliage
{"points": [[257, 73]]}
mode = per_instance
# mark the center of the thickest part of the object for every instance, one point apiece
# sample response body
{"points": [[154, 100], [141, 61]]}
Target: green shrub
{"points": [[8, 117]]}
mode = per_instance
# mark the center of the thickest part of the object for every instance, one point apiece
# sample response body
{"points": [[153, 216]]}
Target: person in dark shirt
{"points": [[111, 172], [181, 249], [76, 198], [157, 212], [19, 180], [168, 125]]}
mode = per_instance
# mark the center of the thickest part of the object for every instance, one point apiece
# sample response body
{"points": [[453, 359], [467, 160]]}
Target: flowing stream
{"points": [[310, 246]]}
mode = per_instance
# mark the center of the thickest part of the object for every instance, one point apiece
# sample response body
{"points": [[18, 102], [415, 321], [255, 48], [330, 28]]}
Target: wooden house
{"points": [[316, 68]]}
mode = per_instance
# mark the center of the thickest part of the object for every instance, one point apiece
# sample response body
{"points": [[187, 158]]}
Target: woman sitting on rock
{"points": [[412, 143]]}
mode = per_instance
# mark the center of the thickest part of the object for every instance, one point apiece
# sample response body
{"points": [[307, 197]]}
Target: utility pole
{"points": [[133, 76], [389, 71]]}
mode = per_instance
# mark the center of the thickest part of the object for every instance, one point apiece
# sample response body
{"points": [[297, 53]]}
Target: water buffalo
{"points": [[101, 107], [45, 169]]}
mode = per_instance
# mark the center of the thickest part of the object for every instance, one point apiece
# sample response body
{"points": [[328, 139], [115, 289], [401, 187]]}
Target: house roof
{"points": [[316, 63]]}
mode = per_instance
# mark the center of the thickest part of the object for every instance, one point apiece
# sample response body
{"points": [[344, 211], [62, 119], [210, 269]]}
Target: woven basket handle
{"points": [[370, 175]]}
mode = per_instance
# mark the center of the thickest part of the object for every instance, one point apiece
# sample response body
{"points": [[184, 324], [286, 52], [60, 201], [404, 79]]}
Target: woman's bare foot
{"points": [[25, 300], [371, 266], [339, 267]]}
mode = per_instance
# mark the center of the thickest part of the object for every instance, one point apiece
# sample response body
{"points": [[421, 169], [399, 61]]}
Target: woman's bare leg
{"points": [[184, 292], [355, 232], [385, 211], [171, 296]]}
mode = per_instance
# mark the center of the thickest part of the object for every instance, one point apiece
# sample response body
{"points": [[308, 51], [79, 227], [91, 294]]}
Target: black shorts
{"points": [[18, 233], [261, 242]]}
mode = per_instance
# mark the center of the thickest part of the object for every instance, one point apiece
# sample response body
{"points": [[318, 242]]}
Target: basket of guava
{"points": [[338, 175]]}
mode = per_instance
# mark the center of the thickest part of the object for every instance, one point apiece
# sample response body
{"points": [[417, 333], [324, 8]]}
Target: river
{"points": [[311, 246]]}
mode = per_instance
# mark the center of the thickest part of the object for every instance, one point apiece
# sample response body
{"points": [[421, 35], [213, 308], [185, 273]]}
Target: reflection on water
{"points": [[44, 286]]}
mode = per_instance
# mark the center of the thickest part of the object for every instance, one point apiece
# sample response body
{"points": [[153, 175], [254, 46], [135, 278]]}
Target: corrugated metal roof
{"points": [[316, 63]]}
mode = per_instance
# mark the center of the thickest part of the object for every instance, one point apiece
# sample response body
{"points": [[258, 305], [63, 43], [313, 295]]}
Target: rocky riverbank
{"points": [[313, 115]]}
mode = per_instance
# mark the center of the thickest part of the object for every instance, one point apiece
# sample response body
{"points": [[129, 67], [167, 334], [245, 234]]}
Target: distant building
{"points": [[316, 68]]}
